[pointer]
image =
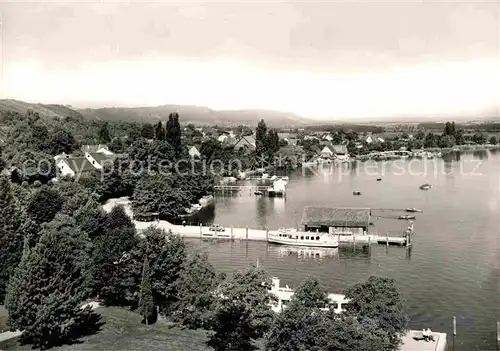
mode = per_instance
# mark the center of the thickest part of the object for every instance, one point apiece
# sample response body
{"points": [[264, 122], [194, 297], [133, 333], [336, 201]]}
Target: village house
{"points": [[246, 143], [340, 152], [289, 138], [100, 159], [99, 148], [327, 152], [337, 221], [193, 152], [74, 166]]}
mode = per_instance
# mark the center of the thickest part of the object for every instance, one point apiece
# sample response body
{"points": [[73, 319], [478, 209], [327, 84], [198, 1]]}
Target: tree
{"points": [[242, 311], [51, 285], [430, 140], [449, 129], [302, 324], [166, 254], [147, 131], [195, 287], [90, 218], [11, 242], [160, 194], [493, 140], [173, 131], [159, 131], [479, 138], [34, 166], [115, 244], [377, 302], [146, 305], [446, 141], [60, 141], [104, 135], [261, 138], [44, 204]]}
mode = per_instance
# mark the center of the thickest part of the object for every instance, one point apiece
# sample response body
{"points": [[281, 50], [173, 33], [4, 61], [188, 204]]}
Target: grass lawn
{"points": [[123, 331], [3, 319]]}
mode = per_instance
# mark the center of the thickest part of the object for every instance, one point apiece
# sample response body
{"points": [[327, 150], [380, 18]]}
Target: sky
{"points": [[318, 59]]}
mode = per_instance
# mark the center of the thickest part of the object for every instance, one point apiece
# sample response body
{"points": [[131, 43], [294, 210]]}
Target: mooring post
{"points": [[267, 233], [201, 232], [232, 237], [454, 326], [246, 229], [387, 238], [498, 332]]}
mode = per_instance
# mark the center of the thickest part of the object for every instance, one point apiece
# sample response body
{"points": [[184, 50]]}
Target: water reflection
{"points": [[303, 252], [480, 154]]}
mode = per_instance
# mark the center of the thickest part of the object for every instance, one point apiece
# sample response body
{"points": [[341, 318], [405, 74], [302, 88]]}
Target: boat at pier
{"points": [[407, 217], [292, 237], [356, 192], [413, 210]]}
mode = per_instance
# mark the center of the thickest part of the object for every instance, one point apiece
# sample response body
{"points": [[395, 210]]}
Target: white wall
{"points": [[64, 169]]}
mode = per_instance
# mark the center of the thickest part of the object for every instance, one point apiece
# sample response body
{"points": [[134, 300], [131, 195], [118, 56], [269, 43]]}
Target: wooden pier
{"points": [[250, 189], [235, 233]]}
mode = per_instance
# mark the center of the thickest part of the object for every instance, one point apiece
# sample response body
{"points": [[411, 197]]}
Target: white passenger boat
{"points": [[293, 237]]}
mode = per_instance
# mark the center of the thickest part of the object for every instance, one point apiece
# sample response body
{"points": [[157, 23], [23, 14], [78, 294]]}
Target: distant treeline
{"points": [[483, 127], [359, 128]]}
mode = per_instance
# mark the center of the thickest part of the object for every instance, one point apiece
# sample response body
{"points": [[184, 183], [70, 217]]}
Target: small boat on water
{"points": [[356, 192], [274, 177], [257, 192], [413, 210], [425, 186], [265, 175], [407, 217], [379, 179], [292, 237]]}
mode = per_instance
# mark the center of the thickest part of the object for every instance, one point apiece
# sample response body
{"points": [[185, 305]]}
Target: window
{"points": [[312, 237], [317, 238], [301, 238], [307, 238]]}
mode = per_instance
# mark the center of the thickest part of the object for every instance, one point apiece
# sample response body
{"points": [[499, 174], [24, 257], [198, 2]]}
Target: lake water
{"points": [[453, 267]]}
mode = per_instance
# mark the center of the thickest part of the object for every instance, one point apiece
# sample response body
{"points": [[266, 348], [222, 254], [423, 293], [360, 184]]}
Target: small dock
{"points": [[410, 344]]}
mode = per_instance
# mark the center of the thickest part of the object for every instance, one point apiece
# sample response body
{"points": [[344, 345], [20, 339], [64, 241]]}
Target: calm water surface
{"points": [[453, 267]]}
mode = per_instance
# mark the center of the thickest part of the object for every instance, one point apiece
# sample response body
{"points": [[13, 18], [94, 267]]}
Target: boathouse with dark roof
{"points": [[338, 221]]}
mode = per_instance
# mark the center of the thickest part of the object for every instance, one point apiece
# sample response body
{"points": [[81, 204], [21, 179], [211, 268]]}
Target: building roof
{"points": [[101, 158], [339, 149], [93, 148], [246, 141], [79, 164], [327, 148], [336, 217]]}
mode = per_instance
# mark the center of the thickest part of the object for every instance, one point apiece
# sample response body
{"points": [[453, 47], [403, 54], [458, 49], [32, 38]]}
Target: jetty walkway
{"points": [[239, 233]]}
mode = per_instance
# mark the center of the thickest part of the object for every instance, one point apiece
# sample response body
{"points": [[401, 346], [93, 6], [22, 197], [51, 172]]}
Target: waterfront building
{"points": [[285, 295], [338, 221]]}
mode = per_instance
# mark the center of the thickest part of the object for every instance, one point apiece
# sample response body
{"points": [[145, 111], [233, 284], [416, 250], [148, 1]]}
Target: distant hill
{"points": [[45, 110], [197, 115], [188, 114]]}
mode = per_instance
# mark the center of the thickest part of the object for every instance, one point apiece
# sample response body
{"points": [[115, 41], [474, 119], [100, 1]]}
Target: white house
{"points": [[327, 152], [74, 166], [100, 148], [380, 140], [193, 152], [327, 137], [369, 139], [99, 159], [285, 295]]}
